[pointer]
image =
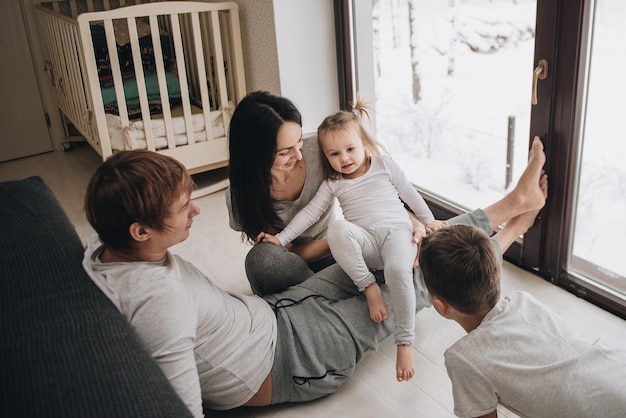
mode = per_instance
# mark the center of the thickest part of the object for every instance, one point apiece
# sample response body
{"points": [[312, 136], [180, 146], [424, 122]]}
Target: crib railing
{"points": [[198, 37], [72, 8]]}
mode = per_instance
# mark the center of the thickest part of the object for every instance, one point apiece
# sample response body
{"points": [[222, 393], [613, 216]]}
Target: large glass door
{"points": [[599, 224]]}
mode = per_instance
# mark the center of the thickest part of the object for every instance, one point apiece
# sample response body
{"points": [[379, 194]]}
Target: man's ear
{"points": [[138, 232]]}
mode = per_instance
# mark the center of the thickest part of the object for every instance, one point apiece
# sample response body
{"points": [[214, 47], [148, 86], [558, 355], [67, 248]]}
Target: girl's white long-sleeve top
{"points": [[373, 199]]}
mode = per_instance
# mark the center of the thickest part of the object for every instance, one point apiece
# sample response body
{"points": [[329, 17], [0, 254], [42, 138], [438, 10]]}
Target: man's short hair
{"points": [[133, 186], [461, 266]]}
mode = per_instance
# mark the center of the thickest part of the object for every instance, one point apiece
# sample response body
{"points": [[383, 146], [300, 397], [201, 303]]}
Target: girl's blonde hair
{"points": [[341, 120]]}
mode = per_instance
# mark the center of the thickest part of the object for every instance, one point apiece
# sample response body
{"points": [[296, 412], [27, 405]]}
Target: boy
{"points": [[517, 351]]}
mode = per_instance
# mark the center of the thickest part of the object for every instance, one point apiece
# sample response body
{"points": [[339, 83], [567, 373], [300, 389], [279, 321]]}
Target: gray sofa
{"points": [[65, 351]]}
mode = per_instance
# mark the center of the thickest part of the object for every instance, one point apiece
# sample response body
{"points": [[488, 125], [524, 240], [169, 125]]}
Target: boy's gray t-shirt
{"points": [[526, 357]]}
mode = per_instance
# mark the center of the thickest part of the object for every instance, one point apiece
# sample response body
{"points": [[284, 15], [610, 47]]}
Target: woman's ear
{"points": [[138, 232]]}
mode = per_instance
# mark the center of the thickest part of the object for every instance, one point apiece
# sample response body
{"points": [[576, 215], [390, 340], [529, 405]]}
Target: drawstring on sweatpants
{"points": [[300, 380], [291, 302]]}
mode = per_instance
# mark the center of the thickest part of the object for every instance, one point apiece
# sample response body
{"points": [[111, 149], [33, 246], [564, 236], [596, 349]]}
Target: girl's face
{"points": [[345, 152], [288, 146]]}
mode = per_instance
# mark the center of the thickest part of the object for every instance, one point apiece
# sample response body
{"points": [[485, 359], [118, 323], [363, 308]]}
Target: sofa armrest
{"points": [[64, 348]]}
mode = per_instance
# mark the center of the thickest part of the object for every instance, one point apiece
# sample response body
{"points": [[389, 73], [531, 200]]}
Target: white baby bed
{"points": [[203, 44]]}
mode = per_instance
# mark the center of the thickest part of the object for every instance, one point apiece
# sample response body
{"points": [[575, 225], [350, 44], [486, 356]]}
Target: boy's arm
{"points": [[473, 390]]}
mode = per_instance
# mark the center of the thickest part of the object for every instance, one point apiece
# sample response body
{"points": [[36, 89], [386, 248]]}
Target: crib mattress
{"points": [[134, 136]]}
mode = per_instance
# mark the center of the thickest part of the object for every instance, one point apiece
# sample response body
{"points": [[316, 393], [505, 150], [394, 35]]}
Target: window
{"points": [[452, 85], [453, 90], [599, 224]]}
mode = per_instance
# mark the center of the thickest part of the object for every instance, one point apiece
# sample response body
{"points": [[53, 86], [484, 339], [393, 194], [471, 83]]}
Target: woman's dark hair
{"points": [[252, 137]]}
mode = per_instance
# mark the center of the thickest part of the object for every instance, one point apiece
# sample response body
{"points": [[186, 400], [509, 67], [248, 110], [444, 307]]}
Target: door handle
{"points": [[540, 73]]}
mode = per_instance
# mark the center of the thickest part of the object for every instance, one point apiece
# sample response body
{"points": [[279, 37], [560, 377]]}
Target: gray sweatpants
{"points": [[271, 268], [324, 329]]}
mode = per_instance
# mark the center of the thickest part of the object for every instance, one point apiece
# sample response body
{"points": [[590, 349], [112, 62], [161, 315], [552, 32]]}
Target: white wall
{"points": [[289, 49], [307, 62], [258, 38]]}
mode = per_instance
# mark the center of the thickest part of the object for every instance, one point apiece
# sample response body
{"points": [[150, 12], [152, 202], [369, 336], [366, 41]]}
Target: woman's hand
{"points": [[265, 237]]}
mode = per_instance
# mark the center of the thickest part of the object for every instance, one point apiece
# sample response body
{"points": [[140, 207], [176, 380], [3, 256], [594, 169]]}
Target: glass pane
{"points": [[600, 222], [453, 90]]}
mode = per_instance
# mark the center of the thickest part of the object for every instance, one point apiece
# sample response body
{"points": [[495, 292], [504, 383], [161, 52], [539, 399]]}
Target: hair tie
{"points": [[356, 112]]}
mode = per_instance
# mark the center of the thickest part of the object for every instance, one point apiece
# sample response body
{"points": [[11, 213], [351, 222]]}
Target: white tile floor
{"points": [[373, 391]]}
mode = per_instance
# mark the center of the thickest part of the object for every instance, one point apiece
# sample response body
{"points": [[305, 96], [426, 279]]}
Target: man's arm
{"points": [[167, 327]]}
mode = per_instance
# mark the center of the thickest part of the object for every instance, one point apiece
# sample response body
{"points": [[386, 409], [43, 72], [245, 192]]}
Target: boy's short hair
{"points": [[461, 266], [133, 186]]}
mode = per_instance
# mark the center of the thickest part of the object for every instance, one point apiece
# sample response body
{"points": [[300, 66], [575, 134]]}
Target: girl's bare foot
{"points": [[375, 303], [405, 369]]}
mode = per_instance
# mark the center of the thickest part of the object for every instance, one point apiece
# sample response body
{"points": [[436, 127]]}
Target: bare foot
{"points": [[405, 369], [375, 303], [528, 192]]}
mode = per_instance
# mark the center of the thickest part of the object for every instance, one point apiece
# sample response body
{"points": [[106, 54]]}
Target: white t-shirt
{"points": [[210, 344], [529, 359]]}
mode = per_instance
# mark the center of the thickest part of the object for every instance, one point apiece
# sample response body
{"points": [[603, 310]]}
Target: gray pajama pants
{"points": [[324, 328]]}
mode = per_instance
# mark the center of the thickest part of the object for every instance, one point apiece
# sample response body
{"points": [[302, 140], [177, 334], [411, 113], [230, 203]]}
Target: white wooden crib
{"points": [[161, 75]]}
